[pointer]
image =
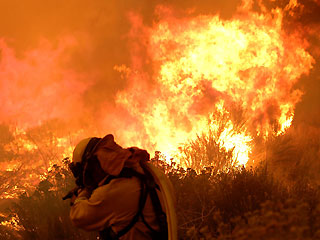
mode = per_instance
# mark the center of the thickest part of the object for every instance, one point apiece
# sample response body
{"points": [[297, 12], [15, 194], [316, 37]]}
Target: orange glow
{"points": [[32, 161], [203, 64], [37, 86], [12, 223], [186, 74]]}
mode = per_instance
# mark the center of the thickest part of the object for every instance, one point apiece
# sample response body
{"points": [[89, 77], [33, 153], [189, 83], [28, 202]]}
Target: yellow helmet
{"points": [[81, 155], [79, 150]]}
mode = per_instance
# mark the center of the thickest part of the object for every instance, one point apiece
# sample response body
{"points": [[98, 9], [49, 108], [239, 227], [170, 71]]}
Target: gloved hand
{"points": [[82, 194]]}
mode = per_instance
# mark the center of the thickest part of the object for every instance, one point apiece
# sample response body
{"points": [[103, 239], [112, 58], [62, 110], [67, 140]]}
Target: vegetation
{"points": [[43, 214], [265, 202]]}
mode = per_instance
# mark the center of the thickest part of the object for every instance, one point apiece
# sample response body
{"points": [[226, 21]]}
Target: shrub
{"points": [[207, 201], [43, 214]]}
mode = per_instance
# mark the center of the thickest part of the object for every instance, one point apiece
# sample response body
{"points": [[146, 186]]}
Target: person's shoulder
{"points": [[119, 186]]}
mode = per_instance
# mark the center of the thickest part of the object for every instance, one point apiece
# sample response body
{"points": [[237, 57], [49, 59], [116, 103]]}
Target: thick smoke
{"points": [[64, 64], [64, 54], [303, 16]]}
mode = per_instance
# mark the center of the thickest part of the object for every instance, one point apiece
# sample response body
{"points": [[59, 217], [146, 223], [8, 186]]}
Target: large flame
{"points": [[204, 63], [187, 74]]}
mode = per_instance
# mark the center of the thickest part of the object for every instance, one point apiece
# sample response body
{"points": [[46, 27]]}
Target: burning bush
{"points": [[42, 214]]}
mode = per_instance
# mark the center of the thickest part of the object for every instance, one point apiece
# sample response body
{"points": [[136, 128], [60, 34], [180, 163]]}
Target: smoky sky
{"points": [[101, 28]]}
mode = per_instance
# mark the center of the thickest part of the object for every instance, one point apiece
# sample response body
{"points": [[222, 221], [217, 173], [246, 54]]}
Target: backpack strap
{"points": [[108, 233], [148, 186], [160, 215], [142, 203]]}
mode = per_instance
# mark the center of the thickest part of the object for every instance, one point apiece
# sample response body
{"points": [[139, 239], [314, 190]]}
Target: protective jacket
{"points": [[115, 204]]}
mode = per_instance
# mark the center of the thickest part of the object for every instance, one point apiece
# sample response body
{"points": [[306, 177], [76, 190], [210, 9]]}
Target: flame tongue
{"points": [[233, 78], [203, 64]]}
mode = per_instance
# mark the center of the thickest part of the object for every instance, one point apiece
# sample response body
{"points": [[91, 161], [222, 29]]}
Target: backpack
{"points": [[148, 187]]}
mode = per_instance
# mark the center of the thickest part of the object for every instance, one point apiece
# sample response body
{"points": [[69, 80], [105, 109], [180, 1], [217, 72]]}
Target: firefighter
{"points": [[119, 194]]}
